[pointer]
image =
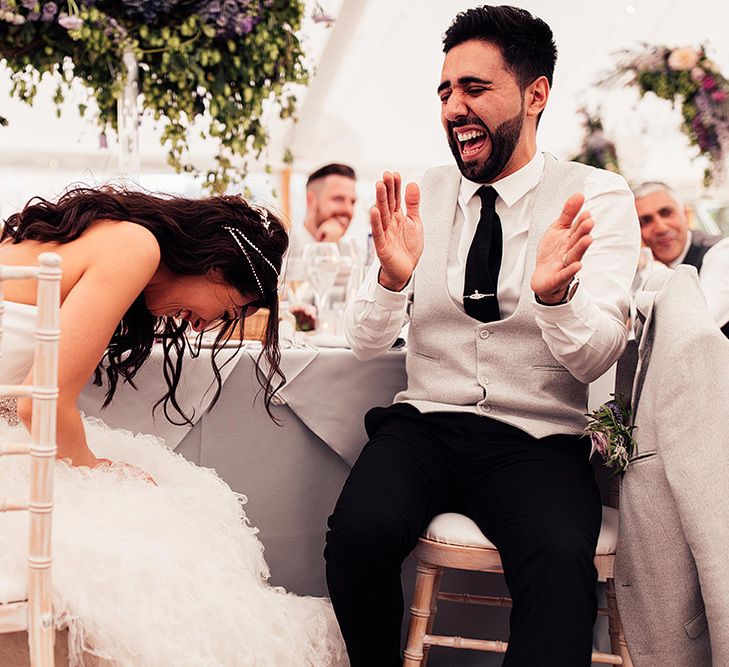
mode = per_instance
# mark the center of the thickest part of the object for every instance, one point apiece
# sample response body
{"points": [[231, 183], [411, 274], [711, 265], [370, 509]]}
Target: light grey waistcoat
{"points": [[503, 370]]}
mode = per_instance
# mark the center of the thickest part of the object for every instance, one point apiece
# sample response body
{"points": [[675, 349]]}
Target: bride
{"points": [[154, 561]]}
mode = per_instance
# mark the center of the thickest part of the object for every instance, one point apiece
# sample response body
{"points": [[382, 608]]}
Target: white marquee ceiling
{"points": [[373, 101]]}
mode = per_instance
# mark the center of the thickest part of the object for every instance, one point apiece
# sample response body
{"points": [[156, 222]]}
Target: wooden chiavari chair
{"points": [[454, 541]]}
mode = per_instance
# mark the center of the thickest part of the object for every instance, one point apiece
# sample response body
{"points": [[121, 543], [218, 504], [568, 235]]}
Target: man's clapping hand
{"points": [[397, 236], [560, 252]]}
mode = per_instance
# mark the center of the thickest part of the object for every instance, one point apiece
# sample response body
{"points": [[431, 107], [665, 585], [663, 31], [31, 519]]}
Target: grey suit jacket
{"points": [[672, 564]]}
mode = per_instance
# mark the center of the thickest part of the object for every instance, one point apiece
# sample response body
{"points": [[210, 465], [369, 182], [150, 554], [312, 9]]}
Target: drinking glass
{"points": [[321, 264]]}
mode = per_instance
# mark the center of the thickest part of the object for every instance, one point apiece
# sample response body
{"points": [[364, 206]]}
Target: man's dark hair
{"points": [[333, 169], [526, 42]]}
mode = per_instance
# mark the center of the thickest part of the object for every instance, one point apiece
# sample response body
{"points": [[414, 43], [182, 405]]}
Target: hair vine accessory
{"points": [[237, 235], [263, 212]]}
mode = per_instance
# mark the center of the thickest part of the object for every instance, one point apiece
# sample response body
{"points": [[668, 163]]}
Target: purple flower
{"points": [[70, 22], [243, 25], [614, 407], [708, 82], [29, 4], [600, 441], [50, 9]]}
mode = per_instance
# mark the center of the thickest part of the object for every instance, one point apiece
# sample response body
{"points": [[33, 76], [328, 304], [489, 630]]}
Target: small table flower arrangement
{"points": [[611, 433], [686, 76], [217, 62]]}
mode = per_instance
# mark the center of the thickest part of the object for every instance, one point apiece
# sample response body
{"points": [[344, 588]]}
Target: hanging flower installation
{"points": [[215, 60], [596, 149], [687, 77]]}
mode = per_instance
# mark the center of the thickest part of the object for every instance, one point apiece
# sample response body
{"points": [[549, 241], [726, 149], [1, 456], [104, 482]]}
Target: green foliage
{"points": [[187, 70]]}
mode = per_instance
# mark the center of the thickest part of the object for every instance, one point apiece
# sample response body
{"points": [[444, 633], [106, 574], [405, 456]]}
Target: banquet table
{"points": [[291, 473]]}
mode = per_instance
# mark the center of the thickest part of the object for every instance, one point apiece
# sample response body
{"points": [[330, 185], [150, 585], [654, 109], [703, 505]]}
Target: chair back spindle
{"points": [[35, 613]]}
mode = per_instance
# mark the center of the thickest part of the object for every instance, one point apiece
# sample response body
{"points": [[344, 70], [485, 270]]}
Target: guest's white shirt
{"points": [[587, 334], [713, 277]]}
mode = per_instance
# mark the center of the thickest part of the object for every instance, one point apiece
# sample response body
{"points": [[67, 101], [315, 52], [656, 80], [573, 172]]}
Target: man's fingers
{"points": [[412, 200], [376, 225], [389, 180], [398, 186], [570, 209], [582, 227], [381, 203], [577, 251], [565, 275]]}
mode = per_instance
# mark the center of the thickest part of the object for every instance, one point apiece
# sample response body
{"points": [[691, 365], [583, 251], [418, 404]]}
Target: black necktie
{"points": [[484, 260]]}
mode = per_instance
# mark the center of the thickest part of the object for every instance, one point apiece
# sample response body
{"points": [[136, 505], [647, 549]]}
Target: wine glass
{"points": [[321, 263], [296, 281]]}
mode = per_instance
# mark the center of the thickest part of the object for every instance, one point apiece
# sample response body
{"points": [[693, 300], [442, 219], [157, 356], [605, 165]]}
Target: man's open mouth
{"points": [[471, 142]]}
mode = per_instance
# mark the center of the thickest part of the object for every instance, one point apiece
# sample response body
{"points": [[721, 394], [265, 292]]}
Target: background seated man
{"points": [[330, 200], [664, 226]]}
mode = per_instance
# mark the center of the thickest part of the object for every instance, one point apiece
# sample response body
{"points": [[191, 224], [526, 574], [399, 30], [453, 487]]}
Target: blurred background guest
{"points": [[330, 201], [664, 226]]}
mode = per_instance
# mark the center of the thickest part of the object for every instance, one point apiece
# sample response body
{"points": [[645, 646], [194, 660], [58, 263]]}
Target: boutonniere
{"points": [[611, 433]]}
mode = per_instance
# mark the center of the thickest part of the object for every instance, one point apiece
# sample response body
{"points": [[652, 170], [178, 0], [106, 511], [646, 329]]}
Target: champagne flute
{"points": [[321, 263]]}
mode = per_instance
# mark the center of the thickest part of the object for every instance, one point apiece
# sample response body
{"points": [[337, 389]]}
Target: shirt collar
{"points": [[513, 187], [684, 252]]}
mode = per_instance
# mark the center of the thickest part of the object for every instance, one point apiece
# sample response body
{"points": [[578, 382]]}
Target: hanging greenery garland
{"points": [[686, 77], [215, 60]]}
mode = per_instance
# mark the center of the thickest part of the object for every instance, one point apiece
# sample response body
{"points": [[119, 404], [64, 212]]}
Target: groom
{"points": [[517, 298]]}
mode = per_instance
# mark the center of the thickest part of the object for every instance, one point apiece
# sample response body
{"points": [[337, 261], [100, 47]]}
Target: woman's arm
{"points": [[119, 258]]}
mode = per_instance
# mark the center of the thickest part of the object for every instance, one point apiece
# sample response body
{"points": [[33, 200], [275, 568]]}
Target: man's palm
{"points": [[397, 235]]}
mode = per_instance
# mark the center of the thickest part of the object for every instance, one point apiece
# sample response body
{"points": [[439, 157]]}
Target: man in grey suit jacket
{"points": [[672, 566]]}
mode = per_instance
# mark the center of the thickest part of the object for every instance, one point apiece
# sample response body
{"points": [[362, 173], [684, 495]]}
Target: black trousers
{"points": [[536, 500]]}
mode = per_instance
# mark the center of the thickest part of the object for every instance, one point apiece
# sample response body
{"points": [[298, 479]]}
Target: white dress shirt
{"points": [[587, 334], [713, 277]]}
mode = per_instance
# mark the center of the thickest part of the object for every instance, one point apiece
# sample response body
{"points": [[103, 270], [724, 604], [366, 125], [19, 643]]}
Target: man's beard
{"points": [[503, 142]]}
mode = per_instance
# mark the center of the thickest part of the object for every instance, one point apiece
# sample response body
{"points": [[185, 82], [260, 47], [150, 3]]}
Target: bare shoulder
{"points": [[121, 245], [123, 238]]}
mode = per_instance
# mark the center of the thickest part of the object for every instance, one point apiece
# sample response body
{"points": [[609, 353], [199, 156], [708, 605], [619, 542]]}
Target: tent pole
{"points": [[285, 190]]}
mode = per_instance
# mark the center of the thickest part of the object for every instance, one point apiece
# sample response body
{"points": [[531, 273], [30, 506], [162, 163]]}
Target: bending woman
{"points": [[150, 574]]}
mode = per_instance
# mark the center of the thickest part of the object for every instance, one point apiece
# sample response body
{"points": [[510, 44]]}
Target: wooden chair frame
{"points": [[35, 614], [433, 557]]}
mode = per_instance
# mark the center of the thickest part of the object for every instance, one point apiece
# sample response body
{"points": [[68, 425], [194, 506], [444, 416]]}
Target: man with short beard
{"points": [[502, 344]]}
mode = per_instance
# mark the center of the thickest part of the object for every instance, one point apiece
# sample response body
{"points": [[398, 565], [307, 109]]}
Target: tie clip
{"points": [[477, 295]]}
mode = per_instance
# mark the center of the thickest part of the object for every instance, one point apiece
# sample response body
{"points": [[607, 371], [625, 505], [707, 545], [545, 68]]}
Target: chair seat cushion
{"points": [[457, 529], [13, 588]]}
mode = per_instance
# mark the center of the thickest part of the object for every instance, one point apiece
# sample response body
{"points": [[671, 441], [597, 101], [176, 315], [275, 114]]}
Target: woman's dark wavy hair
{"points": [[193, 240]]}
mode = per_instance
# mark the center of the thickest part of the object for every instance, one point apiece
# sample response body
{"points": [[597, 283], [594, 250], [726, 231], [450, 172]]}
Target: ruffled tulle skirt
{"points": [[166, 575]]}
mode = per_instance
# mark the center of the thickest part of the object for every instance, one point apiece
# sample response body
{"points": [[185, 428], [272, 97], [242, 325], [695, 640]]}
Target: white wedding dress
{"points": [[154, 576]]}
